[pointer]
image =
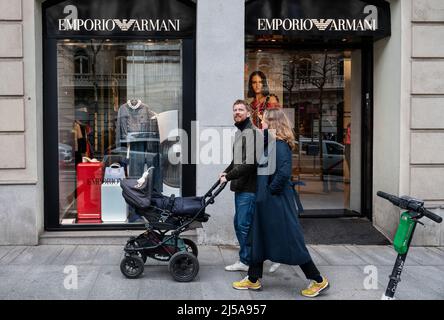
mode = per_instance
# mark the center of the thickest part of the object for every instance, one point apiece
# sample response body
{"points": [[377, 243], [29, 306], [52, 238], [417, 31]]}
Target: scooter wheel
{"points": [[132, 267], [191, 246], [183, 266]]}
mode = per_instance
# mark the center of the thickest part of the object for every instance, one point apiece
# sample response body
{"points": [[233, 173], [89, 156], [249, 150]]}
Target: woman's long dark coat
{"points": [[275, 233]]}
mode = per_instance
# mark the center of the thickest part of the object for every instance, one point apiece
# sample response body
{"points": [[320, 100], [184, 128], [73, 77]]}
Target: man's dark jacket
{"points": [[242, 172]]}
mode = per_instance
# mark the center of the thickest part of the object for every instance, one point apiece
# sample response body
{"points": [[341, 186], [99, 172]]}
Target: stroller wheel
{"points": [[132, 267], [183, 266], [140, 253], [190, 246]]}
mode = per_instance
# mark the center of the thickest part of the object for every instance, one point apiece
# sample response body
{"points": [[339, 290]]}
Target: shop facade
{"points": [[100, 90]]}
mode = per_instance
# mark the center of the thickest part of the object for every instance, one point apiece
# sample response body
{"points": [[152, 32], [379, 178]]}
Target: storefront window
{"points": [[118, 102], [314, 89]]}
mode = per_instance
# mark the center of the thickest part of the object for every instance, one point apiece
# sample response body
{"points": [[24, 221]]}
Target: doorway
{"points": [[321, 92]]}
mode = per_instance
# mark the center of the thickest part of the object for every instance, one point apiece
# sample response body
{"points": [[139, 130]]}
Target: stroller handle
{"points": [[215, 185], [221, 187]]}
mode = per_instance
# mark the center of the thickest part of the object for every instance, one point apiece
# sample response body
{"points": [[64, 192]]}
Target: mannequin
{"points": [[138, 131], [80, 140]]}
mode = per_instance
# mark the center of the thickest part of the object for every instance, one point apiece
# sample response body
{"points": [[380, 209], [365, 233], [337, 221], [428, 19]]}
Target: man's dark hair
{"points": [[265, 89]]}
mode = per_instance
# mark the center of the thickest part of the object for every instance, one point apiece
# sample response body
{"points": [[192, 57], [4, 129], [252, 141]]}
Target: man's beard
{"points": [[238, 119]]}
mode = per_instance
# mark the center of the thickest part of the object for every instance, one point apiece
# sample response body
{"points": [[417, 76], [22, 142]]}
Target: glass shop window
{"points": [[313, 87], [118, 104]]}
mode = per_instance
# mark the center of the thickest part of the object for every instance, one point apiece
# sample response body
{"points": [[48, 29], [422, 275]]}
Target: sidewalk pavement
{"points": [[41, 272]]}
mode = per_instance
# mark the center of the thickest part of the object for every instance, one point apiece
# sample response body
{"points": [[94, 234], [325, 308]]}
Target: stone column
{"points": [[220, 81]]}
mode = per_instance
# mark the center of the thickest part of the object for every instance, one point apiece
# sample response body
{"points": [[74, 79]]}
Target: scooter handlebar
{"points": [[431, 215], [393, 199], [410, 204]]}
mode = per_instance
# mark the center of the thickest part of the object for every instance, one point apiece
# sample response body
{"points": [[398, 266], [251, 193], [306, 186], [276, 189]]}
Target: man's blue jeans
{"points": [[244, 205]]}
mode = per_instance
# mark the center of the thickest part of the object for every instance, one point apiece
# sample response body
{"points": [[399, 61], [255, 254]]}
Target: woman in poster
{"points": [[262, 99]]}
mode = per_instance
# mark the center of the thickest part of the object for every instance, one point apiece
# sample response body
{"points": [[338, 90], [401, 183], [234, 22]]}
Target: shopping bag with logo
{"points": [[114, 173]]}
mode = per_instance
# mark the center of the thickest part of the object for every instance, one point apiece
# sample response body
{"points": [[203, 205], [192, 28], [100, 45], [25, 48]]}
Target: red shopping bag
{"points": [[89, 182]]}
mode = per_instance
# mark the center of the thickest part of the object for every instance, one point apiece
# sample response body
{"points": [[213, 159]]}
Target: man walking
{"points": [[242, 172]]}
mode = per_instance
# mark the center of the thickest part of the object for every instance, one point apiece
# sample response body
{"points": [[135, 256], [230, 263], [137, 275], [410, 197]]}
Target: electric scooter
{"points": [[404, 234]]}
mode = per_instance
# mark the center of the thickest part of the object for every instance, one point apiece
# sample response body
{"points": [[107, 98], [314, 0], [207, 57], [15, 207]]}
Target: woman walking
{"points": [[275, 233]]}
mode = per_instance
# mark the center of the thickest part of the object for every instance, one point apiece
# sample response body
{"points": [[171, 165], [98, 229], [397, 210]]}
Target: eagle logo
{"points": [[322, 24], [124, 25]]}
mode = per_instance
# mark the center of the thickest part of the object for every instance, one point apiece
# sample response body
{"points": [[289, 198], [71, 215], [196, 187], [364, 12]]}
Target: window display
{"points": [[314, 88], [119, 103]]}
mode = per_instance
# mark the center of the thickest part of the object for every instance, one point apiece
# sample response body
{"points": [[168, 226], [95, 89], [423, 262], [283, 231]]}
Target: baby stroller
{"points": [[162, 215]]}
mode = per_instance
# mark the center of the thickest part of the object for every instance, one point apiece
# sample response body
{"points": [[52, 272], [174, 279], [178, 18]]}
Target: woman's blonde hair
{"points": [[278, 120]]}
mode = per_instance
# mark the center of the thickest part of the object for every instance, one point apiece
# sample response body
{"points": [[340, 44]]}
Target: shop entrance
{"points": [[320, 90], [317, 58]]}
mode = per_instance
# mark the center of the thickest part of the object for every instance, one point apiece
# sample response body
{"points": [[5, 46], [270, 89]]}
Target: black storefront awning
{"points": [[318, 19], [128, 18]]}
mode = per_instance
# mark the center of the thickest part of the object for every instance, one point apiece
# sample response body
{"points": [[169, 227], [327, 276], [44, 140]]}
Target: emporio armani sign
{"points": [[319, 24], [122, 24], [367, 23], [72, 22]]}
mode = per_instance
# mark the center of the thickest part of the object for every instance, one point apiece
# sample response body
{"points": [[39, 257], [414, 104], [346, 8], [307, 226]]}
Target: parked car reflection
{"points": [[307, 157], [65, 153]]}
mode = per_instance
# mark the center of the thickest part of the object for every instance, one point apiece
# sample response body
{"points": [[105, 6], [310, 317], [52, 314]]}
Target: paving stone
{"points": [[151, 289], [38, 273], [108, 255], [4, 251], [37, 255], [429, 277], [216, 284], [48, 282], [426, 256], [112, 285], [83, 255], [379, 255], [230, 254], [12, 254], [10, 277], [316, 257], [410, 287], [156, 272], [438, 250], [338, 255], [65, 252], [210, 256]]}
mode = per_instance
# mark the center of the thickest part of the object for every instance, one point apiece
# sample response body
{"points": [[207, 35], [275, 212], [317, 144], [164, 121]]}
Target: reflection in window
{"points": [[312, 89], [81, 62], [333, 148], [120, 65], [304, 67]]}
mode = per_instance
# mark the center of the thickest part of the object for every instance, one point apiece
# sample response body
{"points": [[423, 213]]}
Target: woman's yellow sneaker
{"points": [[246, 284], [315, 288]]}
